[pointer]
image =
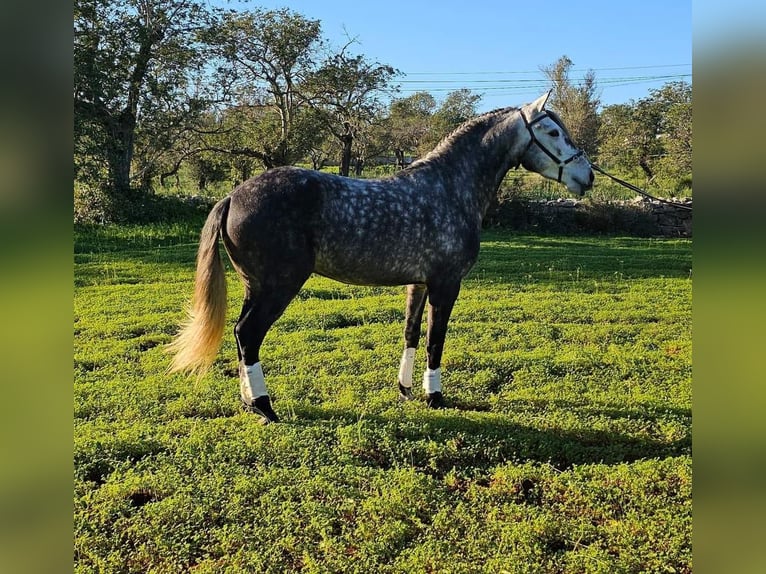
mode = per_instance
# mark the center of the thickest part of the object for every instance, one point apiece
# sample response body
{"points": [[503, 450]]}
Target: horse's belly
{"points": [[371, 268]]}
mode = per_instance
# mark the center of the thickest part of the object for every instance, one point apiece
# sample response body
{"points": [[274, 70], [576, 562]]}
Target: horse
{"points": [[419, 227]]}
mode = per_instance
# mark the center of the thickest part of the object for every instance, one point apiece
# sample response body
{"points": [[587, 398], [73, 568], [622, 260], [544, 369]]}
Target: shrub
{"points": [[92, 205]]}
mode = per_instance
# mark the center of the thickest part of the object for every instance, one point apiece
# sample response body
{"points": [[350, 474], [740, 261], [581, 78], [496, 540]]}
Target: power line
{"points": [[537, 80], [482, 73], [498, 83], [526, 84]]}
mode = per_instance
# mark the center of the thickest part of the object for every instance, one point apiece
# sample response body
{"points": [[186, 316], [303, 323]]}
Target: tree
{"points": [[282, 100], [654, 133], [345, 91], [458, 107], [266, 56], [577, 104], [416, 123], [675, 129], [134, 68], [629, 136], [408, 124], [621, 141]]}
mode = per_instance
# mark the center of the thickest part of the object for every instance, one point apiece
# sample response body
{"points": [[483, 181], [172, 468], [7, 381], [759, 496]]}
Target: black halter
{"points": [[548, 152]]}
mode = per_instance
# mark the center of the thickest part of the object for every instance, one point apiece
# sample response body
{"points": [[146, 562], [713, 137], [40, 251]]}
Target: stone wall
{"points": [[640, 217]]}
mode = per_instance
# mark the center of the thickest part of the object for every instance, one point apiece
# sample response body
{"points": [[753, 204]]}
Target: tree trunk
{"points": [[345, 158], [645, 167], [120, 153], [400, 158], [318, 162], [146, 179]]}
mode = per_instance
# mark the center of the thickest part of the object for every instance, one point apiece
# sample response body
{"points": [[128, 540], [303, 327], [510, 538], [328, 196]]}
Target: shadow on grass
{"points": [[438, 442], [508, 257]]}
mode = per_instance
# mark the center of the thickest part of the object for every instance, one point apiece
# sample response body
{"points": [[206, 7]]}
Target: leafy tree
{"points": [[345, 91], [408, 124], [458, 107], [416, 123], [623, 139], [206, 169], [266, 55], [654, 134], [321, 154], [674, 100], [134, 67], [577, 104]]}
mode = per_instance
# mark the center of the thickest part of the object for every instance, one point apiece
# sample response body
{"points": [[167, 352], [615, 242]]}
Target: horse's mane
{"points": [[448, 140]]}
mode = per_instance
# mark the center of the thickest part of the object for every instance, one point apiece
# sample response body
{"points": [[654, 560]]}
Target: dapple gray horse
{"points": [[419, 227]]}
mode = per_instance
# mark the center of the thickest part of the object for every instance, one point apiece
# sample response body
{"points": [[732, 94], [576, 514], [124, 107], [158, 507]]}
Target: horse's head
{"points": [[550, 151]]}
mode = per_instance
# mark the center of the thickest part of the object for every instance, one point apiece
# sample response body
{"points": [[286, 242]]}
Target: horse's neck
{"points": [[476, 159]]}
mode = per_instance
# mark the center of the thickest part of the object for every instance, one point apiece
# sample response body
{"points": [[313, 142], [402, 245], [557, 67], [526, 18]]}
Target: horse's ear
{"points": [[539, 103]]}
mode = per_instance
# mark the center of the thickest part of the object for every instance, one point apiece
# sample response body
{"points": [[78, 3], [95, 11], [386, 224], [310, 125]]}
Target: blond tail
{"points": [[197, 344]]}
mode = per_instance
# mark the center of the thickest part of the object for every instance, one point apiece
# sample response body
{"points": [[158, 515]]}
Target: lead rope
{"points": [[638, 189]]}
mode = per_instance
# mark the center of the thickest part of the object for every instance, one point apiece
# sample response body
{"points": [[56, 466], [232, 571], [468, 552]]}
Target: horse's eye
{"points": [[554, 133]]}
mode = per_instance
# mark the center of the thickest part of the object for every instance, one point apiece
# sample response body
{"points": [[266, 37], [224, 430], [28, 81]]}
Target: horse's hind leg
{"points": [[259, 312], [416, 301]]}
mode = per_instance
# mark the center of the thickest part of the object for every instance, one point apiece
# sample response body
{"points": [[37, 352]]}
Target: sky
{"points": [[496, 48], [722, 24]]}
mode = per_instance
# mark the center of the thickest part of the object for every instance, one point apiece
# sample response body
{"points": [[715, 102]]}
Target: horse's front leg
{"points": [[441, 300], [416, 302]]}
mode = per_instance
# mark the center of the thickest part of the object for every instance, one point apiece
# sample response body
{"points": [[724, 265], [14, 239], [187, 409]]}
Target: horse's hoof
{"points": [[405, 393], [261, 406], [435, 400]]}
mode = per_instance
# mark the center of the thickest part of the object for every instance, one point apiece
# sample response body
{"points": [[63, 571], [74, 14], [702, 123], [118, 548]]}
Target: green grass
{"points": [[567, 447]]}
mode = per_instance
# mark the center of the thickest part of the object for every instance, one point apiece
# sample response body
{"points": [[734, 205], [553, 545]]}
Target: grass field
{"points": [[567, 447]]}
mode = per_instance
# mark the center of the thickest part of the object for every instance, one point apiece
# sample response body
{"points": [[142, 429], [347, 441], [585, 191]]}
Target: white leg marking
{"points": [[405, 367], [252, 384], [432, 380]]}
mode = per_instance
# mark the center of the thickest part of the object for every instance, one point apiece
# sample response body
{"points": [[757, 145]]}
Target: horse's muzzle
{"points": [[582, 187]]}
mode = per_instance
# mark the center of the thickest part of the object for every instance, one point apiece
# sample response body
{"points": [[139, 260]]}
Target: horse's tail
{"points": [[197, 344]]}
